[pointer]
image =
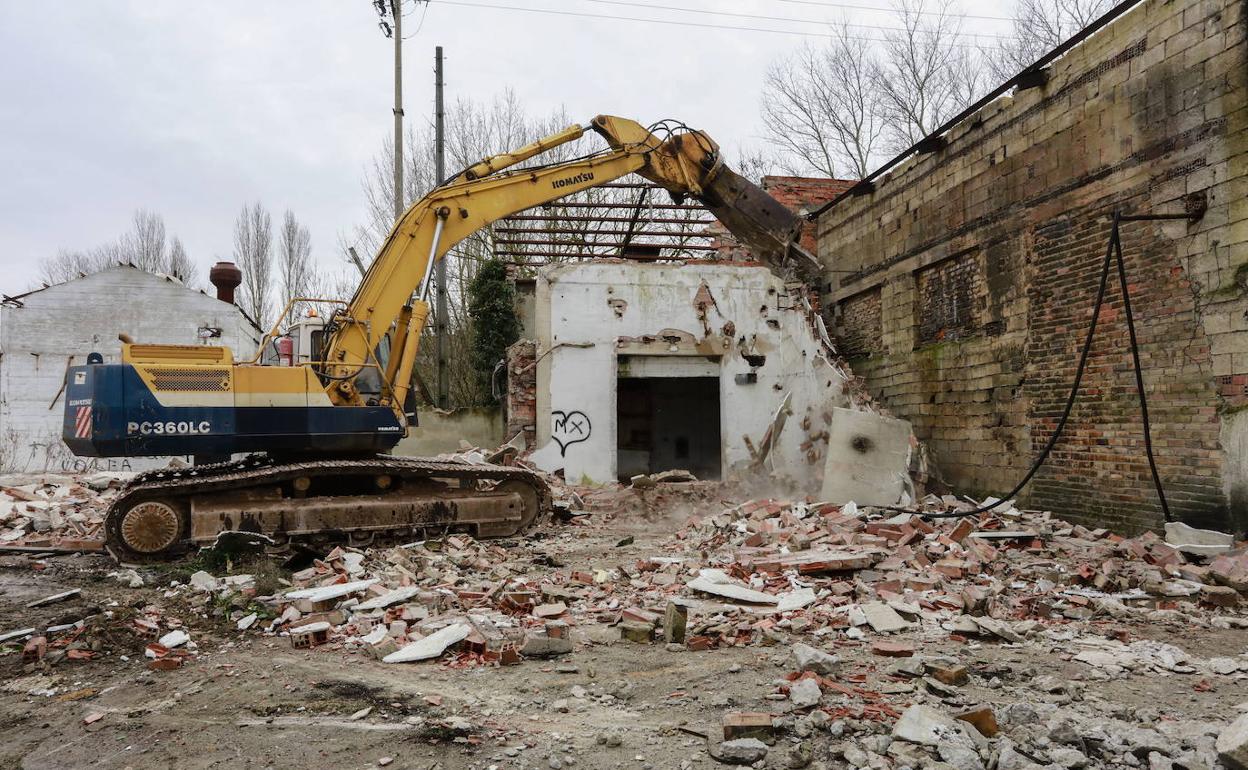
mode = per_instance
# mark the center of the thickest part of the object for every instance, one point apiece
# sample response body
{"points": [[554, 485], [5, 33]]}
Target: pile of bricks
{"points": [[56, 512], [997, 574], [756, 573]]}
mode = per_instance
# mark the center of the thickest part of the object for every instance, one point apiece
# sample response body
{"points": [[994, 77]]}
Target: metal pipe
{"points": [[523, 257], [584, 233], [578, 205], [1152, 217], [433, 254], [603, 244]]}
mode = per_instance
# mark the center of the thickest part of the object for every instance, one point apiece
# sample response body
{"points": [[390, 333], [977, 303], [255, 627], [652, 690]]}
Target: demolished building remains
{"points": [[702, 366]]}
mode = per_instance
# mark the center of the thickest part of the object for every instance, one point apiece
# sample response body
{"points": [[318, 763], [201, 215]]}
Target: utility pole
{"points": [[439, 165], [396, 8]]}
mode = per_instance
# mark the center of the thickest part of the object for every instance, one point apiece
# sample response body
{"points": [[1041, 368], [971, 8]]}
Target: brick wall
{"points": [[859, 324], [522, 391], [985, 257], [804, 194], [947, 299]]}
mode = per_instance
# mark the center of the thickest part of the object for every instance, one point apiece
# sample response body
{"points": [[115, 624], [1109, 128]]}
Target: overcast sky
{"points": [[192, 109]]}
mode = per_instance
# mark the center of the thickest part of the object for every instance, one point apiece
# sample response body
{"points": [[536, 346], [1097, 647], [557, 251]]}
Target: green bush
{"points": [[495, 326]]}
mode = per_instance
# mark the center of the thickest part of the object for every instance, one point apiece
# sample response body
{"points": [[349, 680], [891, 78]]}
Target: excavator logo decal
{"points": [[569, 428], [585, 176]]}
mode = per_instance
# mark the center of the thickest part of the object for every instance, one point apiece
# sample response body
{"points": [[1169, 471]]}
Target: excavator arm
{"points": [[684, 161]]}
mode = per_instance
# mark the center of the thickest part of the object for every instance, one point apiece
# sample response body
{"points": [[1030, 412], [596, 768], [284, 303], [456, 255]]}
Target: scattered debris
{"points": [[844, 602]]}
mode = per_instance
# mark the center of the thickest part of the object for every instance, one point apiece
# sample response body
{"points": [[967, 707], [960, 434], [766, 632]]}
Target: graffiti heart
{"points": [[569, 428]]}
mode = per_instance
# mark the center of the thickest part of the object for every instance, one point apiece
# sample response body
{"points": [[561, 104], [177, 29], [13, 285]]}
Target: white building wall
{"points": [[589, 314], [39, 336]]}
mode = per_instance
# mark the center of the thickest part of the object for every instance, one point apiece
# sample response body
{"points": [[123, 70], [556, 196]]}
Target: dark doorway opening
{"points": [[665, 423]]}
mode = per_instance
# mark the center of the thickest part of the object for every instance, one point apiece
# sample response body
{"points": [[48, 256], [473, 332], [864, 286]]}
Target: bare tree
{"points": [[294, 260], [253, 252], [926, 73], [177, 263], [1040, 26], [821, 106], [67, 265], [146, 243], [144, 246], [754, 163]]}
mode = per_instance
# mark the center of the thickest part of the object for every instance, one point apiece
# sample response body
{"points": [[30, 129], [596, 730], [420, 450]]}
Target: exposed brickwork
{"points": [[1100, 465], [1010, 221], [948, 297], [858, 325], [522, 391]]}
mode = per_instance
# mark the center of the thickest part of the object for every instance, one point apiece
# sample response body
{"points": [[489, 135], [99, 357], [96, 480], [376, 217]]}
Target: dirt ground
{"points": [[248, 700]]}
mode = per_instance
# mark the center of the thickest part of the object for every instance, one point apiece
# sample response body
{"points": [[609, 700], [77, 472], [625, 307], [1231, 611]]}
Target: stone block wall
{"points": [[984, 259]]}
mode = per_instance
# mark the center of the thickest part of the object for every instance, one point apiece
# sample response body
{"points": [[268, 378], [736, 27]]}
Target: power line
{"points": [[789, 19], [670, 22], [421, 24], [847, 6]]}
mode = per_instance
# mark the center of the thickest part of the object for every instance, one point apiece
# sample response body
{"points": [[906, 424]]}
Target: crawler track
{"points": [[162, 513]]}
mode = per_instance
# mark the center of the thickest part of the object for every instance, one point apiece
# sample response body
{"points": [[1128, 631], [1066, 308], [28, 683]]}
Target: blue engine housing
{"points": [[110, 412]]}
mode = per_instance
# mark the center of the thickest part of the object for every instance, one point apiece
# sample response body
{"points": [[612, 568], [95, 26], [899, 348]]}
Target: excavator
{"points": [[318, 430]]}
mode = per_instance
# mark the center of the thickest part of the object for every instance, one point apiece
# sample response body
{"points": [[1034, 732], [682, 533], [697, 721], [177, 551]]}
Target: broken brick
{"points": [[892, 649], [982, 719], [748, 724]]}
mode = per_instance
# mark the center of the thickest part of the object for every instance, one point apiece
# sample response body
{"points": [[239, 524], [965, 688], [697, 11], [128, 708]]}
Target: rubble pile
{"points": [[892, 639], [1002, 574], [56, 512], [760, 571], [819, 582], [410, 603]]}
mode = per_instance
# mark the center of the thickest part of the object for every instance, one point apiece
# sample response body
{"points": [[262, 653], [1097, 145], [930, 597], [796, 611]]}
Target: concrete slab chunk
{"points": [[325, 593], [813, 659], [805, 693], [795, 599], [396, 596], [175, 638], [431, 646], [54, 598], [882, 618], [924, 725], [732, 591], [1200, 542], [868, 458], [1232, 744], [742, 751]]}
